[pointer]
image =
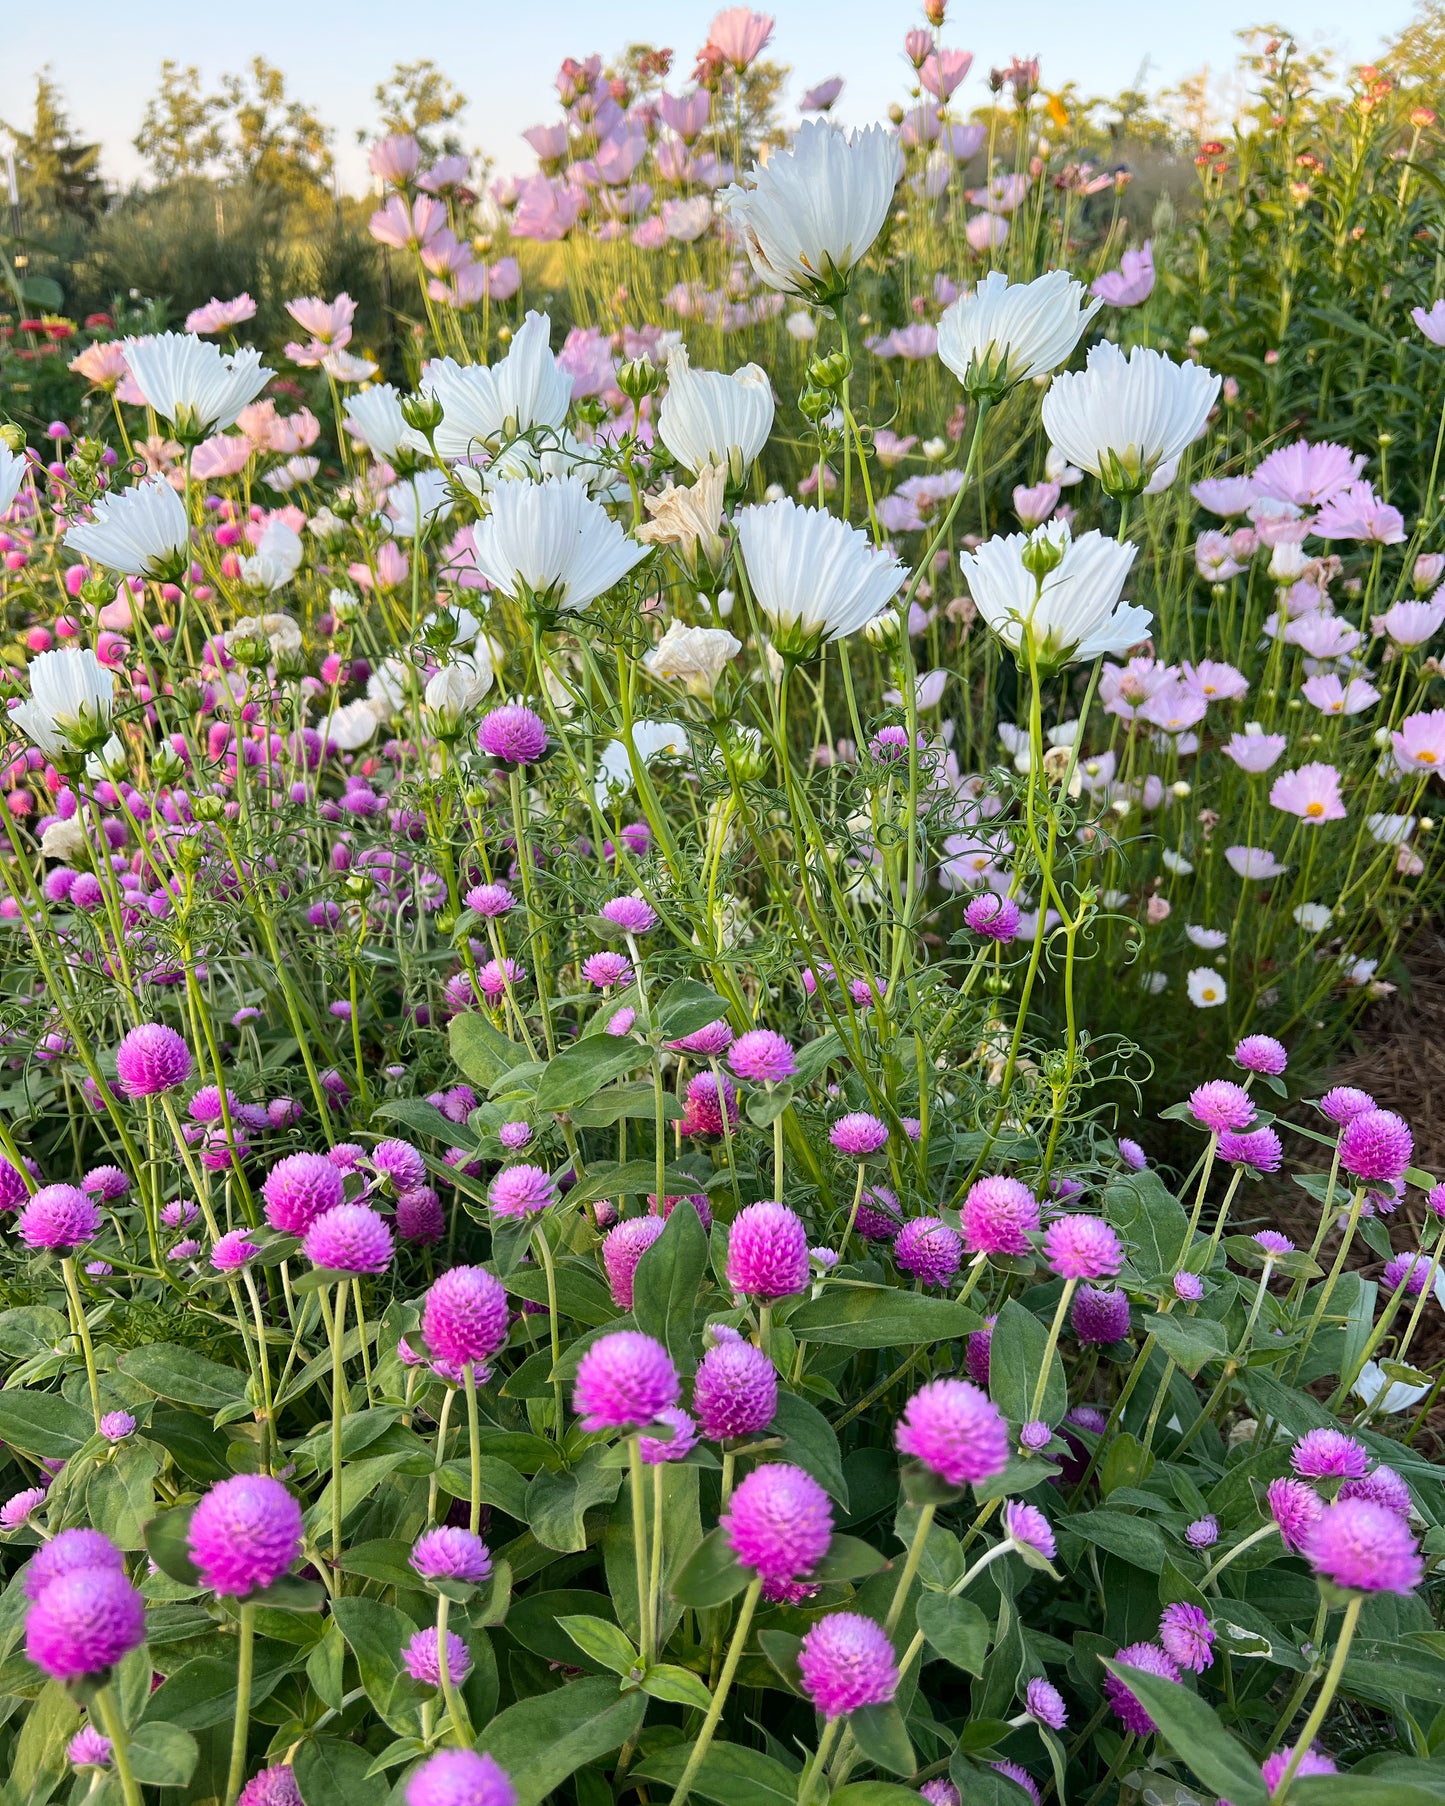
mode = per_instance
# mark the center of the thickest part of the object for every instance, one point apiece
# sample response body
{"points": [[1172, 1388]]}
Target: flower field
{"points": [[674, 925]]}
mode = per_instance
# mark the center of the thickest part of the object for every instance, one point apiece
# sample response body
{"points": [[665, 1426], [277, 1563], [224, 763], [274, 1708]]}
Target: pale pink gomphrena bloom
{"points": [[740, 35]]}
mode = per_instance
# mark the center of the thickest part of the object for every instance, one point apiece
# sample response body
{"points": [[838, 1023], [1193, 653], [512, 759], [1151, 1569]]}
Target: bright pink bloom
{"points": [[847, 1661], [767, 1251], [1365, 1547], [1083, 1247], [1312, 793], [956, 1431], [1132, 282], [465, 1316], [779, 1522], [998, 1216], [244, 1534], [623, 1381]]}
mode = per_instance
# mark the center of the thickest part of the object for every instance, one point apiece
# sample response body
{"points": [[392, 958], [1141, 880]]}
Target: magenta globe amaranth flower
{"points": [[1188, 1288], [1018, 1774], [400, 1164], [352, 1238], [244, 1534], [234, 1250], [622, 1248], [152, 1059], [67, 1553], [735, 1391], [940, 1792], [522, 1190], [1046, 1704], [1221, 1104], [300, 1188], [20, 1507], [778, 1522], [451, 1553], [89, 1748], [1381, 1486], [1035, 1436], [1312, 1762], [998, 1216], [1295, 1508], [420, 1217], [1100, 1315], [762, 1057], [1132, 1155], [465, 1316], [655, 1450], [1259, 1149], [607, 971], [1187, 1636], [421, 1658], [115, 1426], [623, 1381], [767, 1251], [1083, 1247], [512, 734], [846, 1661], [59, 1217], [490, 900], [707, 1097], [634, 915], [1329, 1455], [1365, 1547], [1262, 1054], [858, 1135], [272, 1787], [1028, 1528], [83, 1623], [878, 1218], [1344, 1103], [1376, 1144], [996, 918], [460, 1778], [976, 1353], [108, 1183], [929, 1250], [1125, 1705], [707, 1042], [956, 1431]]}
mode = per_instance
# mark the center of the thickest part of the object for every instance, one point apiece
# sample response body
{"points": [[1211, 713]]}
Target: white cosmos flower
{"points": [[554, 542], [1121, 417], [1008, 332], [708, 417], [142, 531], [652, 739], [695, 657], [277, 557], [1071, 610], [815, 577], [193, 384], [457, 688], [482, 403], [417, 503], [352, 725], [1380, 1393], [12, 475], [388, 686], [72, 695], [809, 214], [374, 416], [1207, 990]]}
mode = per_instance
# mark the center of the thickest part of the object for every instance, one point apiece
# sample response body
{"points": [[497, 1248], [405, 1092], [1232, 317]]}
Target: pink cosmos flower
{"points": [[1312, 792], [1306, 475], [1360, 514], [1216, 681], [942, 71], [1331, 697], [1132, 282], [1224, 496], [1254, 753], [1431, 322], [739, 35], [1420, 743], [220, 316]]}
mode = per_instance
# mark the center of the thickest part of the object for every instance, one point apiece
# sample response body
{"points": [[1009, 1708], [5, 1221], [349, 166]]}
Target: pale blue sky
{"points": [[504, 53]]}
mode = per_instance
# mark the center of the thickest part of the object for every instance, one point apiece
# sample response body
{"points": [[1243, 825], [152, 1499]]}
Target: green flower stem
{"points": [[1305, 1741], [1306, 1680], [474, 1448], [1041, 1384], [926, 1515], [82, 1332], [338, 1396], [268, 1398], [245, 1667], [1255, 1536], [456, 1712], [817, 1760], [719, 1695], [110, 1717], [544, 1254], [435, 1485], [647, 1637], [652, 1606], [1332, 1279]]}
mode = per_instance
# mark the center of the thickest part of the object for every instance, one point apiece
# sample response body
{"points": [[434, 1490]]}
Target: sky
{"points": [[504, 54]]}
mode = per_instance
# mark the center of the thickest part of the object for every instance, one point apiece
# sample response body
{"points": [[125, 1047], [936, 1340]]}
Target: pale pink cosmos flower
{"points": [[942, 71], [1407, 623], [219, 316], [1331, 697], [103, 365], [739, 35], [406, 227], [1224, 496], [328, 322], [1132, 282], [395, 159], [1420, 743], [1253, 862], [1214, 557], [1312, 792], [1216, 681], [1034, 506], [1358, 513], [1431, 322], [1322, 636], [1306, 475], [986, 232], [821, 98]]}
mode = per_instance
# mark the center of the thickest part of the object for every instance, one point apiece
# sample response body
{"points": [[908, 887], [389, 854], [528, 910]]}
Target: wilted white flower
{"points": [[1061, 592], [374, 416], [142, 531], [483, 404], [814, 577], [193, 384], [1207, 990], [652, 740], [292, 473], [689, 519], [387, 688], [809, 214], [1007, 332], [456, 689], [695, 657], [72, 695], [553, 542], [708, 417], [65, 840], [277, 557], [1121, 417]]}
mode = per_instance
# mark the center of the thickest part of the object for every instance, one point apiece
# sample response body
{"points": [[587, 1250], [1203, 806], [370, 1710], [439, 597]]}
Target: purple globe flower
{"points": [[88, 1748], [623, 1381], [67, 1553], [83, 1623], [956, 1431], [13, 1189], [767, 1251], [422, 1661], [735, 1391], [400, 1163], [928, 1249], [512, 734], [522, 1190], [878, 1218], [490, 900], [465, 1316], [272, 1787], [1376, 1144], [300, 1188], [976, 1353], [1261, 1053], [460, 1778], [996, 918], [762, 1057], [778, 1522], [420, 1217], [1081, 1247], [1203, 1533], [940, 1792], [1132, 1155], [108, 1183], [115, 1426], [858, 1135], [1221, 1104], [514, 1136], [233, 1251], [1313, 1762], [152, 1059], [352, 1238], [1027, 1526], [1329, 1455], [451, 1553], [1344, 1103], [1273, 1243], [1188, 1288], [655, 1450], [1295, 1508], [622, 1248], [703, 1114], [634, 915], [1381, 1486], [1187, 1636], [846, 1661], [59, 1217], [1259, 1149], [1365, 1547], [1046, 1704], [998, 1216], [1126, 1706], [1020, 1776], [1100, 1316], [698, 1200], [712, 1039], [20, 1507], [244, 1534], [607, 971]]}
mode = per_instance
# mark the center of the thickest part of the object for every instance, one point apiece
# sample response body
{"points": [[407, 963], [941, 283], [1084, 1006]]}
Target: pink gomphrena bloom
{"points": [[778, 1522], [739, 36], [20, 1507], [995, 918], [656, 1450], [1125, 1705], [633, 914], [1376, 1144], [298, 1189], [83, 1622], [522, 1190], [767, 1251], [735, 1391], [1329, 1455], [1295, 1509], [1187, 1636], [879, 1218], [88, 1748], [497, 977], [706, 1100], [451, 1553], [1027, 1528], [859, 1135], [929, 1249], [150, 1060], [1420, 743], [64, 1554], [233, 1251], [710, 1041], [698, 1200], [1188, 1288], [1220, 1104], [1100, 1315], [1365, 1547], [1132, 1155], [352, 1238], [956, 1431], [420, 1217], [59, 1217], [1345, 1102], [115, 1426], [1035, 1436], [1408, 1272], [460, 1778], [1046, 1704], [1262, 1054], [1273, 1243], [1259, 1149], [244, 1534], [348, 1156], [998, 1216], [1203, 1533], [465, 1316], [607, 971], [623, 1381], [762, 1057], [422, 1659], [1312, 792], [514, 1136], [1382, 1486], [399, 1164], [513, 734], [108, 1183], [1083, 1247], [847, 1661], [490, 899], [622, 1248]]}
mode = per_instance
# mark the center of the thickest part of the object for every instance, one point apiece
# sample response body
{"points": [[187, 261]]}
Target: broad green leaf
{"points": [[1150, 1218], [1192, 1726], [848, 1316], [731, 1774], [40, 1749], [332, 1772], [581, 1070], [686, 1006], [879, 1731], [712, 1574], [1190, 1342], [120, 1496], [535, 1621], [166, 1542], [32, 1329], [376, 1634], [183, 1376], [1136, 1540], [481, 1050], [810, 1442], [543, 1739], [956, 1628], [667, 1283], [556, 1504], [603, 1641], [678, 1686], [43, 1424], [1016, 1354], [162, 1754]]}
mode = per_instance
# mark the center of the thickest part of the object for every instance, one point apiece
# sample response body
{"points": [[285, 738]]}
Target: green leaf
{"points": [[678, 1686], [581, 1070], [421, 1118], [39, 1752], [667, 1282], [202, 1692], [497, 1484], [1135, 1540], [637, 1102], [191, 1443], [32, 1329], [1189, 1341], [874, 1793], [879, 1731], [376, 1635], [632, 1179], [1150, 1218], [120, 1496], [781, 1648], [850, 1558], [848, 1316], [1355, 1789], [686, 1006], [43, 1424], [956, 1628], [163, 1755], [1193, 1727], [1126, 1463], [557, 1503], [330, 1772], [481, 1050], [711, 1575], [730, 1774], [543, 1739], [811, 1443], [1019, 1341], [183, 1376], [603, 1641], [166, 1544]]}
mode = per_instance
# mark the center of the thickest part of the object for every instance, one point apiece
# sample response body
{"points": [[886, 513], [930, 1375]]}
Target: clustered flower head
{"points": [[735, 1390], [1083, 1247], [778, 1522], [767, 1251], [846, 1661], [465, 1316], [624, 1381], [998, 1216], [956, 1431], [84, 1614], [244, 1534]]}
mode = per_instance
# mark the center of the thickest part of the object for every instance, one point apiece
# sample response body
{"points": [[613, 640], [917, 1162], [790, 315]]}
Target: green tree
{"points": [[59, 173], [180, 132], [417, 98], [274, 140]]}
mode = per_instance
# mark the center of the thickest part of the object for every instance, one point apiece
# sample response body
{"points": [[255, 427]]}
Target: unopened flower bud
{"points": [[830, 372], [638, 378], [422, 413]]}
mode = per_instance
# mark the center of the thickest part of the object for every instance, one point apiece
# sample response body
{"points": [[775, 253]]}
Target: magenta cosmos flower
{"points": [[451, 1553], [767, 1251], [1365, 1547], [152, 1059], [956, 1431], [460, 1778], [623, 1381], [1082, 1247], [998, 1216], [846, 1661], [300, 1188], [779, 1522], [522, 1190], [83, 1623], [1126, 1706], [59, 1217], [735, 1391], [512, 734], [245, 1533], [352, 1238], [1376, 1144], [464, 1316]]}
